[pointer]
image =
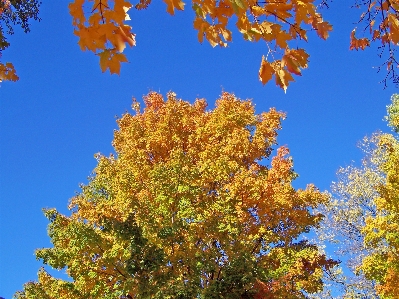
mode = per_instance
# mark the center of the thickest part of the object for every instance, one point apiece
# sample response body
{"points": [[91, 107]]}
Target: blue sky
{"points": [[62, 110]]}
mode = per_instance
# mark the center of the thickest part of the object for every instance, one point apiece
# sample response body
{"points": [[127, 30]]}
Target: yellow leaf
{"points": [[283, 78], [291, 65], [257, 11], [226, 34]]}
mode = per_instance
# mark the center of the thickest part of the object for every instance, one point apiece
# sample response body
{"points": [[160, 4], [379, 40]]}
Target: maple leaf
{"points": [[276, 23], [283, 78], [322, 27], [76, 10], [356, 44], [201, 26], [281, 38], [174, 4], [104, 58], [111, 60], [257, 11], [143, 4], [238, 5], [266, 71], [293, 60]]}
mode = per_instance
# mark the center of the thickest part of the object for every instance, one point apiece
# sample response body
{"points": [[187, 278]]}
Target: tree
{"points": [[14, 12], [187, 209], [353, 200], [280, 24], [363, 217], [382, 230]]}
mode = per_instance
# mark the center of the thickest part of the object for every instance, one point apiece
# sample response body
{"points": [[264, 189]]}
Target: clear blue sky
{"points": [[62, 110]]}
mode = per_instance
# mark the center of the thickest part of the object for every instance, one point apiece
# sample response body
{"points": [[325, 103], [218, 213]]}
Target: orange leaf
{"points": [[293, 60], [123, 35], [266, 71], [323, 28], [283, 78], [111, 60], [174, 4], [355, 43], [104, 58], [115, 63]]}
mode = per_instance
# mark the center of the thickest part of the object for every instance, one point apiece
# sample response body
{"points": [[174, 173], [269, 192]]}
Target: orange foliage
{"points": [[276, 23], [186, 209]]}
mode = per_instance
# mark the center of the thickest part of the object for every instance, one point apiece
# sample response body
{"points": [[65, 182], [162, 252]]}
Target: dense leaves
{"points": [[14, 12], [188, 208]]}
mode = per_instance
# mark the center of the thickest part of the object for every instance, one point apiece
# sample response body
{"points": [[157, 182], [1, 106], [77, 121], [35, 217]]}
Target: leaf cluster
{"points": [[278, 23]]}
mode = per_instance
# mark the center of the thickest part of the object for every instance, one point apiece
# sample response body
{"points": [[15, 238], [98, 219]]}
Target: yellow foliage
{"points": [[186, 209]]}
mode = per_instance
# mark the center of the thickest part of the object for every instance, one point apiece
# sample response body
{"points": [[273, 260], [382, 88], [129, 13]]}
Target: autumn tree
{"points": [[190, 206], [353, 200], [14, 12], [382, 230], [363, 218], [282, 25]]}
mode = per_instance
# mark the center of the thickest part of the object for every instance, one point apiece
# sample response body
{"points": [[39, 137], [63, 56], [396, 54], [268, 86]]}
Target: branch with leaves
{"points": [[277, 23]]}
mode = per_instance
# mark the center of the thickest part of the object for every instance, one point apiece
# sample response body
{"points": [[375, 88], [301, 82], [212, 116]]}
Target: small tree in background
{"points": [[382, 229], [363, 217]]}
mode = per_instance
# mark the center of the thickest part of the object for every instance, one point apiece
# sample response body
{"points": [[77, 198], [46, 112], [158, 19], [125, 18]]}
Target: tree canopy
{"points": [[193, 205]]}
